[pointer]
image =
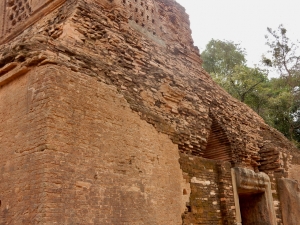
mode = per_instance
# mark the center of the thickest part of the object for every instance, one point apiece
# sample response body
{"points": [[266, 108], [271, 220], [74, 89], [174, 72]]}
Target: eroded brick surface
{"points": [[109, 167], [99, 100], [211, 199], [85, 158], [23, 137], [17, 15]]}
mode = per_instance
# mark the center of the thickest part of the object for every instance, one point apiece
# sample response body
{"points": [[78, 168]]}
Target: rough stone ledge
{"points": [[249, 181]]}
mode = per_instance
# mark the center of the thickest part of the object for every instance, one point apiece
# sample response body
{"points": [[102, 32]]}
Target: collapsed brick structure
{"points": [[107, 117]]}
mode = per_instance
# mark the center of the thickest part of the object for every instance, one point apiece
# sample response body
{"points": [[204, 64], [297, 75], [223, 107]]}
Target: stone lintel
{"points": [[247, 181]]}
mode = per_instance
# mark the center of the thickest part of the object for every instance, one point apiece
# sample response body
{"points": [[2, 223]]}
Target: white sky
{"points": [[243, 22]]}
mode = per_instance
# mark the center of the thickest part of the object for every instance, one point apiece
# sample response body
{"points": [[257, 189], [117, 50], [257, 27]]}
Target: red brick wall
{"points": [[72, 151], [22, 141], [104, 164], [211, 199]]}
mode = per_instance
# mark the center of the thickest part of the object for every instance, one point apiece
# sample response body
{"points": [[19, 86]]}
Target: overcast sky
{"points": [[243, 22]]}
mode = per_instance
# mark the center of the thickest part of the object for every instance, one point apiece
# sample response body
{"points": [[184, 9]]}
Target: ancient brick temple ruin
{"points": [[107, 118]]}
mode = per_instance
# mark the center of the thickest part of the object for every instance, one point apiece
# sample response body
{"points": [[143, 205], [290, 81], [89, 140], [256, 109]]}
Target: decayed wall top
{"points": [[17, 15], [148, 15], [146, 50]]}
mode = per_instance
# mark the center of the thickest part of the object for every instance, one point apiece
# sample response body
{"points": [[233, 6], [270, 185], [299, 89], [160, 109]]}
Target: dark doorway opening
{"points": [[254, 209]]}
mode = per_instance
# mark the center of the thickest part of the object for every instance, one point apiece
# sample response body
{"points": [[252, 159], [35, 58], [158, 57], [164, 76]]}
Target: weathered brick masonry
{"points": [[107, 117]]}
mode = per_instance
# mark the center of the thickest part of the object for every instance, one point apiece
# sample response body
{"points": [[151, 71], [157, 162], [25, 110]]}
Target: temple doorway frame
{"points": [[245, 181]]}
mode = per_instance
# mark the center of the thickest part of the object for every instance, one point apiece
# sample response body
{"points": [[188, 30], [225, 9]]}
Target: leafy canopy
{"points": [[226, 63], [277, 100], [220, 57]]}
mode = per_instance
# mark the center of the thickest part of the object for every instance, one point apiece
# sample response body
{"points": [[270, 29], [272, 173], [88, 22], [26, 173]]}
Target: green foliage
{"points": [[277, 112], [245, 81], [277, 100], [225, 61], [283, 52], [286, 61], [220, 57]]}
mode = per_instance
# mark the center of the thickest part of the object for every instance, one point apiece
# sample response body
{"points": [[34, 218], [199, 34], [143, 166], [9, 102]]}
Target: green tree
{"points": [[283, 52], [220, 57], [244, 82], [277, 100], [276, 113], [284, 58], [225, 61], [258, 99]]}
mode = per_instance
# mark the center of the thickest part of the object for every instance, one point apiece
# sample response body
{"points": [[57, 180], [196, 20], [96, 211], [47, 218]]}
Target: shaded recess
{"points": [[218, 146], [254, 210], [255, 201]]}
